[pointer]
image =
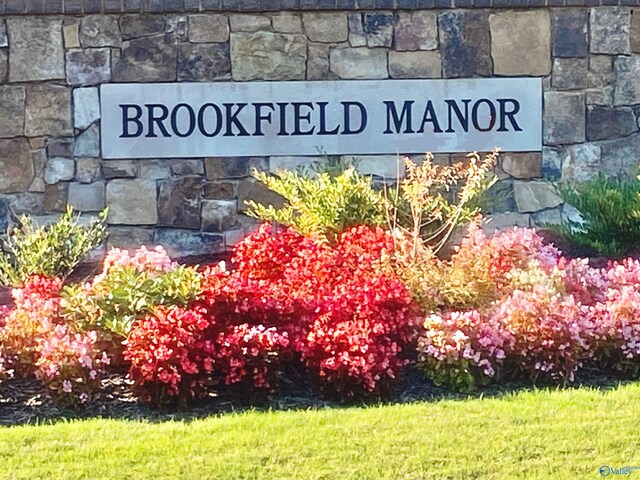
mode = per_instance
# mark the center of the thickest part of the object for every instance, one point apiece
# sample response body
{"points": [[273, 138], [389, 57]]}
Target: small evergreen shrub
{"points": [[52, 251], [610, 209], [322, 205]]}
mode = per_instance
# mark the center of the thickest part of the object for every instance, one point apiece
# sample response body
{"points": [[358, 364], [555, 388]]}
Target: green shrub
{"points": [[324, 204], [115, 300], [52, 251], [610, 209]]}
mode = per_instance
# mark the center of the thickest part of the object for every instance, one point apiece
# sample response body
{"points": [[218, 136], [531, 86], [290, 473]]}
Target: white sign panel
{"points": [[333, 117]]}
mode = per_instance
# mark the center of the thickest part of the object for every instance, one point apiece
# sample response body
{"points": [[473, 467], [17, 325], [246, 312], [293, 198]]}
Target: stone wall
{"points": [[51, 67]]}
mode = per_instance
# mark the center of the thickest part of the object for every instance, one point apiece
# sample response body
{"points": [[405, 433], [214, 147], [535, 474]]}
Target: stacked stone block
{"points": [[51, 68]]}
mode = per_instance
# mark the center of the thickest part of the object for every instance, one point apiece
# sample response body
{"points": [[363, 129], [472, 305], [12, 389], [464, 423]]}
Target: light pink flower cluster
{"points": [[482, 268], [462, 348], [546, 336], [615, 339], [69, 363], [36, 311], [142, 260]]}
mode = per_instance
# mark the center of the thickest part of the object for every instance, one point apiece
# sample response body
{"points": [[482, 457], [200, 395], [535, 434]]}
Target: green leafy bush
{"points": [[610, 209], [128, 288], [52, 251], [325, 204]]}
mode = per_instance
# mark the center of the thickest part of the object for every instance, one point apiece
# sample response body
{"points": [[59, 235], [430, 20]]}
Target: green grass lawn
{"points": [[541, 434]]}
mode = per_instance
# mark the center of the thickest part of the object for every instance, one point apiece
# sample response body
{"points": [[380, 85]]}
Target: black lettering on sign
{"points": [[283, 118], [346, 108], [490, 116], [308, 118], [157, 119], [298, 117], [323, 121], [191, 115], [262, 116], [430, 117], [398, 120], [202, 120], [232, 120], [128, 119], [508, 113], [463, 119]]}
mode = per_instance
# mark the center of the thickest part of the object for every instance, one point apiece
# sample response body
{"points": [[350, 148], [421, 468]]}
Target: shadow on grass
{"points": [[24, 402]]}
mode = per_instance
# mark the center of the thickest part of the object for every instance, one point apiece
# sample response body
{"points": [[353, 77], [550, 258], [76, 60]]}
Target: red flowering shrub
{"points": [[250, 354], [170, 354], [347, 316], [352, 353], [358, 342], [34, 339]]}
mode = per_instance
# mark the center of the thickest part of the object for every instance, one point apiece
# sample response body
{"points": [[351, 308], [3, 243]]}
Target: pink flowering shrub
{"points": [[69, 364], [615, 343], [130, 286], [548, 340], [610, 300], [142, 260], [543, 317], [35, 340], [462, 349], [479, 272], [36, 312]]}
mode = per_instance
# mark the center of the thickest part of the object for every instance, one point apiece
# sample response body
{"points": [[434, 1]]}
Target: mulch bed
{"points": [[26, 402]]}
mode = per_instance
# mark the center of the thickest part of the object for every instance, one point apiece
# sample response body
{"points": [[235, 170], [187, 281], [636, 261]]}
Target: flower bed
{"points": [[345, 291], [503, 308]]}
